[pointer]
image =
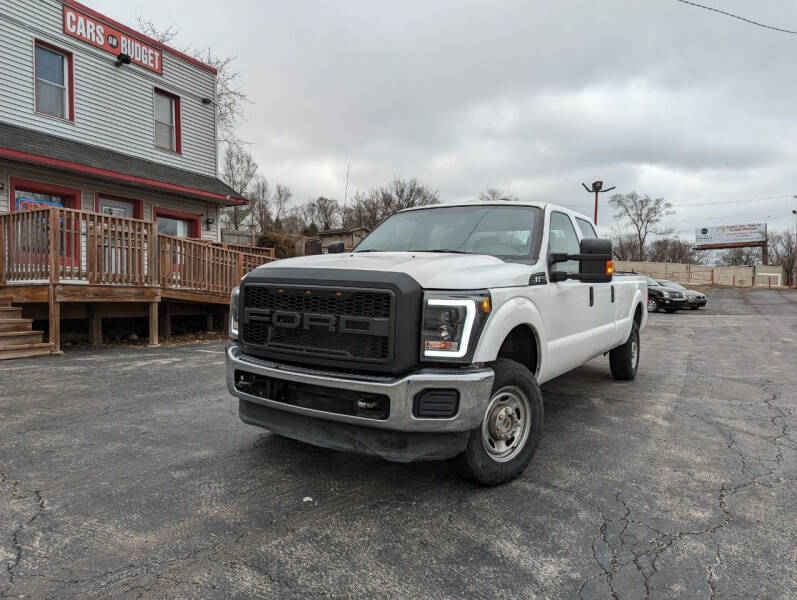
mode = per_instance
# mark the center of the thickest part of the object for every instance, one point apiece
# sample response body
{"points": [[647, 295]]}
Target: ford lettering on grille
{"points": [[324, 322]]}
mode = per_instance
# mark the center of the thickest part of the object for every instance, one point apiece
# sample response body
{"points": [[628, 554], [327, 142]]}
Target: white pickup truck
{"points": [[430, 340]]}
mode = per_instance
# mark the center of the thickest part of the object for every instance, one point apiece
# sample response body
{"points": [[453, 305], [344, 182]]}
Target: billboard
{"points": [[731, 235]]}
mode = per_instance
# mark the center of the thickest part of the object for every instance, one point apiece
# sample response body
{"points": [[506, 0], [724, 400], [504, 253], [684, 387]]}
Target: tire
{"points": [[653, 306], [624, 360], [515, 402]]}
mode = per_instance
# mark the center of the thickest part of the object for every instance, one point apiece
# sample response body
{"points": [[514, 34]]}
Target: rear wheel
{"points": [[624, 360], [653, 306], [503, 445]]}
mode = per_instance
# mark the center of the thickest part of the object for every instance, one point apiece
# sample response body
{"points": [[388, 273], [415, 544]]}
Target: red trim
{"points": [[131, 32], [70, 75], [194, 221], [138, 205], [178, 137], [71, 196], [63, 164]]}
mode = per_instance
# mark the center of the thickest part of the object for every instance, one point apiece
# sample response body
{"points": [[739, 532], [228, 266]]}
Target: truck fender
{"points": [[512, 313], [639, 299]]}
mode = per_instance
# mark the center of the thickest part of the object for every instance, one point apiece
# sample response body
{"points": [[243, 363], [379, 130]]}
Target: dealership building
{"points": [[110, 199], [98, 117]]}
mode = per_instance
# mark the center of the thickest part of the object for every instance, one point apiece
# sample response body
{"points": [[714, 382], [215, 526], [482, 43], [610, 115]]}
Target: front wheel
{"points": [[501, 448], [624, 360], [653, 306]]}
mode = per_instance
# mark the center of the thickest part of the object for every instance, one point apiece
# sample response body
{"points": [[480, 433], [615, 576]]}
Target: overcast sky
{"points": [[531, 96]]}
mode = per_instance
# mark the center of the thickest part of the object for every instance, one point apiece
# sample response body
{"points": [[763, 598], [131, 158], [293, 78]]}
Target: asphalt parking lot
{"points": [[126, 473]]}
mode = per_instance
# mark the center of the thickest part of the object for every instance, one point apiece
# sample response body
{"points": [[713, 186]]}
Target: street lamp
{"points": [[794, 264], [597, 187]]}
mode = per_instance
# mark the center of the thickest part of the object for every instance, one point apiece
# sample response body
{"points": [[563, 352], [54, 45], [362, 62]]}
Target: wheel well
{"points": [[638, 314], [520, 345]]}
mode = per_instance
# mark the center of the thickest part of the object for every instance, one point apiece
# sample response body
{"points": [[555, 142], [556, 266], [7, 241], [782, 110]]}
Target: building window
{"points": [[167, 121], [176, 223], [53, 81]]}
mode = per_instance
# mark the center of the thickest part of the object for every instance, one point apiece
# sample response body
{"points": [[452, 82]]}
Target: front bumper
{"points": [[671, 302], [695, 301], [401, 436]]}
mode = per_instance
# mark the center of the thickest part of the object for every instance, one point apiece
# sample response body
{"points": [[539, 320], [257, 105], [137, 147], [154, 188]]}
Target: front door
{"points": [[569, 328]]}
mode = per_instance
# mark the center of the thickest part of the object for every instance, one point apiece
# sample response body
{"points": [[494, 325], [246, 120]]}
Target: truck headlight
{"points": [[451, 323], [234, 295]]}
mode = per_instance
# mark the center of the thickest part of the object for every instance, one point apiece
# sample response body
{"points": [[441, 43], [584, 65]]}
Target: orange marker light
{"points": [[486, 305], [609, 267], [307, 292]]}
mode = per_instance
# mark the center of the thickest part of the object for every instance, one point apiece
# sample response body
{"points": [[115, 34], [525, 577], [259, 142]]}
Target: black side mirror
{"points": [[336, 248], [594, 262]]}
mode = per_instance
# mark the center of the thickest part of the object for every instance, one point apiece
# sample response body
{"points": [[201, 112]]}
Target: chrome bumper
{"points": [[473, 384]]}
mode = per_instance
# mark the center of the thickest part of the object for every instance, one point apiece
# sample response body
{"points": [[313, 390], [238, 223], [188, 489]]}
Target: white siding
{"points": [[113, 105], [88, 188]]}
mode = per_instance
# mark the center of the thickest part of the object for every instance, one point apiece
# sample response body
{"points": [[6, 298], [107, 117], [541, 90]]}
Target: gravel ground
{"points": [[125, 472]]}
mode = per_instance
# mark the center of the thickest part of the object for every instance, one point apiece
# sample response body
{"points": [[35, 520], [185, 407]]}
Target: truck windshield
{"points": [[509, 231]]}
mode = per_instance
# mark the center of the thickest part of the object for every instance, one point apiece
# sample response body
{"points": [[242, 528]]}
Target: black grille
{"points": [[320, 322], [353, 304]]}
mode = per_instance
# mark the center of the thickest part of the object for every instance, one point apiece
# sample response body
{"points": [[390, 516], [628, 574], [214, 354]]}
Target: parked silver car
{"points": [[694, 299]]}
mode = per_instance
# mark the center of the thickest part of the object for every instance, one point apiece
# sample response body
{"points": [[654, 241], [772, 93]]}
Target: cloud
{"points": [[535, 97]]}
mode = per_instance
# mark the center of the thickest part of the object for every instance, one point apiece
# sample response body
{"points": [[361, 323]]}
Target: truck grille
{"points": [[337, 323]]}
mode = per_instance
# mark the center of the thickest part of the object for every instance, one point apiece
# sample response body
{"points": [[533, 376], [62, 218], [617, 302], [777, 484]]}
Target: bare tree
{"points": [[229, 97], [625, 245], [405, 193], [282, 196], [492, 194], [643, 214], [238, 171], [259, 205], [783, 251], [741, 257], [325, 213], [672, 249]]}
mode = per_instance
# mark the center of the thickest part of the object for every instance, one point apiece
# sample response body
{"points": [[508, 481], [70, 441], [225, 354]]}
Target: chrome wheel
{"points": [[506, 424], [651, 305]]}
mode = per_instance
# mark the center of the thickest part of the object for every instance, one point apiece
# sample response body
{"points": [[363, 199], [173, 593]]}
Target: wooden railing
{"points": [[101, 249], [256, 250]]}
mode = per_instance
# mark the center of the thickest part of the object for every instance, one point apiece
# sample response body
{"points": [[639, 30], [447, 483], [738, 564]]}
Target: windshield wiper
{"points": [[369, 250], [445, 250]]}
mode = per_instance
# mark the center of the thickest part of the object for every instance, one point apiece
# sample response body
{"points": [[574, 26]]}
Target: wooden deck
{"points": [[58, 256]]}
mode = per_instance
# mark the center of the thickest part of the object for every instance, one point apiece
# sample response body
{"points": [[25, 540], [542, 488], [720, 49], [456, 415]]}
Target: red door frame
{"points": [[193, 220], [194, 226], [71, 197], [138, 205]]}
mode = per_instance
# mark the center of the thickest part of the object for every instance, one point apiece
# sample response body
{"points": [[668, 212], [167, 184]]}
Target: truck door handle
{"points": [[591, 296], [612, 294]]}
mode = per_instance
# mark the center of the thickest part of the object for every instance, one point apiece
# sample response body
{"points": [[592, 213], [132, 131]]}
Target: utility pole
{"points": [[597, 187]]}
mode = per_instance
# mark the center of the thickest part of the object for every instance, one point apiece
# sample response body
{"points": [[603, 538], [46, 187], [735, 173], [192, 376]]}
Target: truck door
{"points": [[569, 328], [603, 310]]}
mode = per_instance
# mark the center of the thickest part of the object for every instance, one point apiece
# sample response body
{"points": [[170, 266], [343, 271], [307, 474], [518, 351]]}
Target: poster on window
{"points": [[91, 31], [34, 203]]}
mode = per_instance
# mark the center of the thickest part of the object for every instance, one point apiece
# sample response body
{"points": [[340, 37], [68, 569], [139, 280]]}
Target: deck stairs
{"points": [[18, 339]]}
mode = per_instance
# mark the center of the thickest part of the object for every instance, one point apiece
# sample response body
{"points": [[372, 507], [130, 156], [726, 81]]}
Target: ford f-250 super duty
{"points": [[431, 339]]}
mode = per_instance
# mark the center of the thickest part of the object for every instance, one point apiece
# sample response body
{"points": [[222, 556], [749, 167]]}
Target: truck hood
{"points": [[430, 269]]}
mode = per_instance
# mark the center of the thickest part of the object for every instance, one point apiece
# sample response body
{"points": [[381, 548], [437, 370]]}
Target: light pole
{"points": [[597, 187], [794, 264]]}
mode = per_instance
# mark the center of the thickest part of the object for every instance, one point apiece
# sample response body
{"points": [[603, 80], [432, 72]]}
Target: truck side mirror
{"points": [[336, 248], [594, 262]]}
